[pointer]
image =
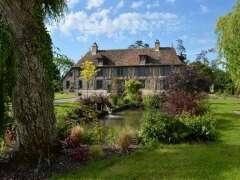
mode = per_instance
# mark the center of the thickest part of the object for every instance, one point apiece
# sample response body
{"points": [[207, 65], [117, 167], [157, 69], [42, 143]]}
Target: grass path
{"points": [[219, 160], [58, 96]]}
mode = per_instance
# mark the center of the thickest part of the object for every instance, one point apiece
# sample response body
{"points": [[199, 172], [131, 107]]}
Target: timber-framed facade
{"points": [[151, 66]]}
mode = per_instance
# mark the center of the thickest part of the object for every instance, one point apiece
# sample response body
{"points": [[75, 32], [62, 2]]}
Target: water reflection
{"points": [[131, 118]]}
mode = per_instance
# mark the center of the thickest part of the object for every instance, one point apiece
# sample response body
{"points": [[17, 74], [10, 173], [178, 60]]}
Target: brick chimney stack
{"points": [[157, 45], [94, 48]]}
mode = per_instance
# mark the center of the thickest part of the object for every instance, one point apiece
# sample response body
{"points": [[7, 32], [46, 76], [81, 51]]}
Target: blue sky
{"points": [[115, 24]]}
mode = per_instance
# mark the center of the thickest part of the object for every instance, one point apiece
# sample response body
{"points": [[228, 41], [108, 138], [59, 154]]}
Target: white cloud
{"points": [[170, 1], [120, 4], [94, 3], [204, 9], [153, 5], [137, 4], [72, 3], [101, 23]]}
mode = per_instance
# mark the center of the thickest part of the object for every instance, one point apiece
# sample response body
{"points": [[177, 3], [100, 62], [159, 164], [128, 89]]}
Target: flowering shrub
{"points": [[202, 128]]}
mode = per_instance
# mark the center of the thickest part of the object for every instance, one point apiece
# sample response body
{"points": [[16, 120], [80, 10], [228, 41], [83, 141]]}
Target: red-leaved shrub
{"points": [[80, 154], [179, 102]]}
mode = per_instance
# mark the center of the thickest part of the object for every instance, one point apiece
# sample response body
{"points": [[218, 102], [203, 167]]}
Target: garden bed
{"points": [[63, 162]]}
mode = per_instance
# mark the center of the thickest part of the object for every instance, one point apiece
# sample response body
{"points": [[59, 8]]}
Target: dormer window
{"points": [[142, 59], [100, 62]]}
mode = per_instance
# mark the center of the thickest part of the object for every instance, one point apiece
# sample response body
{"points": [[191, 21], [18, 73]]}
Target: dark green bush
{"points": [[158, 127], [162, 128]]}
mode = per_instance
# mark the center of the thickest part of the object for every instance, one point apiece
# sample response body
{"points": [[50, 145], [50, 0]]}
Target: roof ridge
{"points": [[127, 49]]}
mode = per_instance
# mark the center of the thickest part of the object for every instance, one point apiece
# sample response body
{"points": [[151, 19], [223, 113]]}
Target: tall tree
{"points": [[138, 44], [181, 50], [63, 64], [33, 91], [228, 32], [203, 55]]}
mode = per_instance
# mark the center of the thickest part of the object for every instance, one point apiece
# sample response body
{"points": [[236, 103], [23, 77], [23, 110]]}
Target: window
{"points": [[166, 71], [80, 84], [99, 84], [142, 71], [119, 71], [77, 73], [100, 62], [143, 59], [67, 84], [100, 72], [145, 83], [162, 84]]}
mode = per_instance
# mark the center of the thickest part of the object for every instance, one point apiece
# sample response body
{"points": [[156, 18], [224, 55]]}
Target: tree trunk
{"points": [[32, 95]]}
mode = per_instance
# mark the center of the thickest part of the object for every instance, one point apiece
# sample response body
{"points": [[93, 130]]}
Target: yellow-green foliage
{"points": [[228, 31], [88, 70]]}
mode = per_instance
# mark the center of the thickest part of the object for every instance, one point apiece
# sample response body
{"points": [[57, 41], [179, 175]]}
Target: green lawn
{"points": [[64, 95], [219, 160]]}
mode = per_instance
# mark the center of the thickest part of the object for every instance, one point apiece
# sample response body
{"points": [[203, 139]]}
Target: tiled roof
{"points": [[130, 57]]}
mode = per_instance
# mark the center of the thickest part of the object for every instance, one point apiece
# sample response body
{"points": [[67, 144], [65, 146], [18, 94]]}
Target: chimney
{"points": [[157, 45], [94, 48]]}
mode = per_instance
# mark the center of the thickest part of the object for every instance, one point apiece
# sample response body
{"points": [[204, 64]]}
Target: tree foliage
{"points": [[62, 63], [138, 44], [88, 71], [181, 50], [24, 40], [203, 55], [228, 32]]}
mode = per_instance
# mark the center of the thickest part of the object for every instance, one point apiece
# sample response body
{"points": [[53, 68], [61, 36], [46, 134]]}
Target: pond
{"points": [[127, 119]]}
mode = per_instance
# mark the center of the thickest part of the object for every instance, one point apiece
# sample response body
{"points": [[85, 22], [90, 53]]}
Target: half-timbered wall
{"points": [[152, 77]]}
